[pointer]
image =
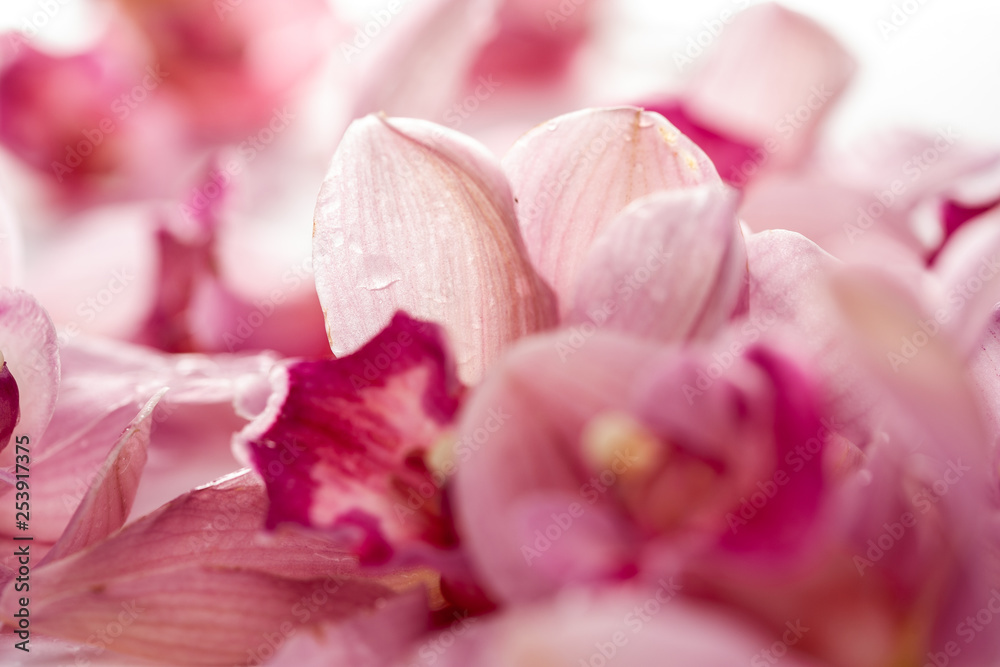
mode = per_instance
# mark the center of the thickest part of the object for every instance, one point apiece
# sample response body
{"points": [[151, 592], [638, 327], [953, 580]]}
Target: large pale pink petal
{"points": [[671, 266], [341, 442], [418, 218], [769, 82], [573, 175]]}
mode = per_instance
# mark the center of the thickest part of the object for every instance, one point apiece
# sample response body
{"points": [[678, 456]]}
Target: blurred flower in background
{"points": [[496, 332]]}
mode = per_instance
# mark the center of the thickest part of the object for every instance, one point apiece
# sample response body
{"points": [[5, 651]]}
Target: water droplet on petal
{"points": [[380, 272]]}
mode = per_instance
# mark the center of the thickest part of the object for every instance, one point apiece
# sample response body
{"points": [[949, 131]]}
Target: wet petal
{"points": [[573, 175], [418, 218]]}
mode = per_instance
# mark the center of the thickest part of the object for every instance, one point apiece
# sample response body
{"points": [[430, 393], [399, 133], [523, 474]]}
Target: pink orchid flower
{"points": [[428, 184]]}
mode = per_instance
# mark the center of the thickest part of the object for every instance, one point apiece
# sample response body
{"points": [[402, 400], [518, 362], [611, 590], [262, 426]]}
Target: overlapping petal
{"points": [[574, 174], [192, 584], [671, 266], [415, 217]]}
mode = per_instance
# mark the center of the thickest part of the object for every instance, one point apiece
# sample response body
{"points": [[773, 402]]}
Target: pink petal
{"points": [[984, 369], [49, 652], [104, 385], [968, 266], [109, 500], [63, 476], [341, 442], [29, 347], [516, 450], [671, 266], [418, 68], [769, 82], [790, 305], [418, 218], [573, 175], [239, 64], [736, 161], [944, 442], [193, 584], [370, 640], [628, 627], [930, 379], [98, 276], [536, 40], [223, 321]]}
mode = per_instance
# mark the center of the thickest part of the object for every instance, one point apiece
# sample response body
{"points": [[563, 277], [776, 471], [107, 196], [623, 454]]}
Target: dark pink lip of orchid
{"points": [[341, 443], [10, 405]]}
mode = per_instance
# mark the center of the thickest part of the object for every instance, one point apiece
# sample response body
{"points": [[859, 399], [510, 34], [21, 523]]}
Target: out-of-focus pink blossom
{"points": [[757, 101], [91, 122], [232, 64]]}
